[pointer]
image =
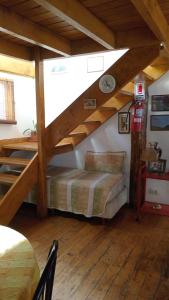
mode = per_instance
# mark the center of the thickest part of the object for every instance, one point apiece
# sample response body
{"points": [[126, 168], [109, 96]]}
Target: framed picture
{"points": [[159, 122], [160, 103], [89, 103], [124, 122], [157, 166]]}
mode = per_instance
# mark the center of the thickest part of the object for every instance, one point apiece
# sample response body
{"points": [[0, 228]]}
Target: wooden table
{"points": [[19, 271]]}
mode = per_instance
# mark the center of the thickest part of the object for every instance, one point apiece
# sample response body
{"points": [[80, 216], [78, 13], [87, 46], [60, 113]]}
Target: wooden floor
{"points": [[121, 260]]}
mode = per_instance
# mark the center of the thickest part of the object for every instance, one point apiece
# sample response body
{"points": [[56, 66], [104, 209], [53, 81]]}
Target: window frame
{"points": [[9, 102]]}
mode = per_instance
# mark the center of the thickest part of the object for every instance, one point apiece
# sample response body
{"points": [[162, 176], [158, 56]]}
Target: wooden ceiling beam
{"points": [[124, 39], [22, 28], [16, 50], [12, 49], [136, 37], [17, 66], [74, 13], [152, 14]]}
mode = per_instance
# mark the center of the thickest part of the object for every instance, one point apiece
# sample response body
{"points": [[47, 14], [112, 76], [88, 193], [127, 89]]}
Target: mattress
{"points": [[84, 192]]}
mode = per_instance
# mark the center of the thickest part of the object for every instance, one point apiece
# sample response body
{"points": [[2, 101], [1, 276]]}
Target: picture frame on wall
{"points": [[159, 122], [124, 122], [89, 103], [160, 103], [157, 166]]}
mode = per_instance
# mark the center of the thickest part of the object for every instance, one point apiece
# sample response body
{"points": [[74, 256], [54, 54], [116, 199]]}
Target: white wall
{"points": [[25, 106], [160, 87], [62, 88]]}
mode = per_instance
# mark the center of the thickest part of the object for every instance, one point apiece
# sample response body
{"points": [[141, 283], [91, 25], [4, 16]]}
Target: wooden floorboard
{"points": [[122, 260]]}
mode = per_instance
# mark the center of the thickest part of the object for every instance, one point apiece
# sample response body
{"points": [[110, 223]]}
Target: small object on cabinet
{"points": [[157, 166]]}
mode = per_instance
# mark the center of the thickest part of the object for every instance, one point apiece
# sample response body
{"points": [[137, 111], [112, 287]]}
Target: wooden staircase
{"points": [[74, 125]]}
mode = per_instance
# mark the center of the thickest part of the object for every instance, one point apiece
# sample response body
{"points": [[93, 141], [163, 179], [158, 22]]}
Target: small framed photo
{"points": [[160, 103], [89, 103], [124, 122], [159, 122], [157, 166]]}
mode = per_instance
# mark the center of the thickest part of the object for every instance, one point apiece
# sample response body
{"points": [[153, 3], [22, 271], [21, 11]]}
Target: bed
{"points": [[97, 190]]}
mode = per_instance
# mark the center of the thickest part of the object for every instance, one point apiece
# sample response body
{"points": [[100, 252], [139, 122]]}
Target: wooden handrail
{"points": [[18, 191]]}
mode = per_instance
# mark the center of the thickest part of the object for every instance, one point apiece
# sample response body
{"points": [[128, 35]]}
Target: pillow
{"points": [[111, 162]]}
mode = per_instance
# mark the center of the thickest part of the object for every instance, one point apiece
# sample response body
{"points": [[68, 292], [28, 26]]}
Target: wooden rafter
{"points": [[22, 28], [74, 13], [151, 12]]}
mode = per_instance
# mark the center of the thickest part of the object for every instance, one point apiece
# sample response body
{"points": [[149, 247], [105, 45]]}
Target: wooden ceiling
{"points": [[70, 27]]}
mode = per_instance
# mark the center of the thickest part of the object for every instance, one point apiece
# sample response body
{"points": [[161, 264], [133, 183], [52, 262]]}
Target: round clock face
{"points": [[107, 83]]}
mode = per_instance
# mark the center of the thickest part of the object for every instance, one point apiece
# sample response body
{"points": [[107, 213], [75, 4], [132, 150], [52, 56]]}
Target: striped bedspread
{"points": [[83, 192]]}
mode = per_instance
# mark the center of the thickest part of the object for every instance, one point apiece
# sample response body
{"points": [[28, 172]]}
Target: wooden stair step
{"points": [[76, 139], [108, 108], [25, 146], [123, 92], [92, 122], [7, 178], [63, 147], [101, 115], [85, 128], [14, 161], [78, 134], [128, 89]]}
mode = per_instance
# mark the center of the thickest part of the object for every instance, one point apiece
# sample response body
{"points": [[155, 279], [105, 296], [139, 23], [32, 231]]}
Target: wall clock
{"points": [[107, 83]]}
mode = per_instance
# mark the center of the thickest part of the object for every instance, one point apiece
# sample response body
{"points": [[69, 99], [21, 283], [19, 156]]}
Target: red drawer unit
{"points": [[142, 203]]}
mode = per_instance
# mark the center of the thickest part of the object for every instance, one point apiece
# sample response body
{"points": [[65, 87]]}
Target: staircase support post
{"points": [[40, 111]]}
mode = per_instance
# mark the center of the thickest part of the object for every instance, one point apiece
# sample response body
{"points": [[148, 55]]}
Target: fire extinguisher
{"points": [[138, 106], [137, 121]]}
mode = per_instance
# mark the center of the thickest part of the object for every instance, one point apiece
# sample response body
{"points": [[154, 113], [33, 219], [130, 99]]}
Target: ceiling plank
{"points": [[31, 32], [15, 50], [152, 14], [74, 13]]}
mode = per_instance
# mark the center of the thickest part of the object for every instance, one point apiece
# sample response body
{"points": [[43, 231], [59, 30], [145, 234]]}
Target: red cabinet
{"points": [[142, 203]]}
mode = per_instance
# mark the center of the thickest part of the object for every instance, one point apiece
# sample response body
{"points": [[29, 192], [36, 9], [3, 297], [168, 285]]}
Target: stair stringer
{"points": [[12, 200]]}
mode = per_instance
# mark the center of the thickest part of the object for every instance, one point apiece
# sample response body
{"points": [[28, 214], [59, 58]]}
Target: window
{"points": [[7, 109]]}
